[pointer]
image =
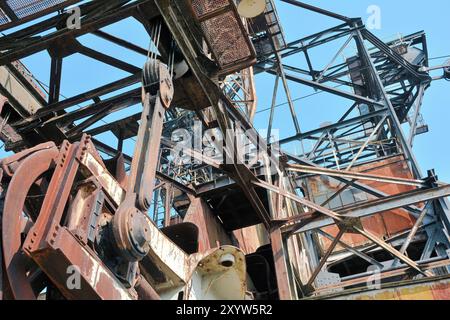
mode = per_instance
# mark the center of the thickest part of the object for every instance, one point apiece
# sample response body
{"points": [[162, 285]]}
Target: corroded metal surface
{"points": [[225, 34], [386, 224], [436, 289]]}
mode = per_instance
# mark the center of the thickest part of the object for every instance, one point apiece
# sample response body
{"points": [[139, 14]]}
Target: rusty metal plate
{"points": [[419, 290], [383, 225], [225, 34]]}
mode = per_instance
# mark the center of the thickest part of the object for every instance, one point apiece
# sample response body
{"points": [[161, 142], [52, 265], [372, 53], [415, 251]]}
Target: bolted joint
{"points": [[131, 230], [139, 233]]}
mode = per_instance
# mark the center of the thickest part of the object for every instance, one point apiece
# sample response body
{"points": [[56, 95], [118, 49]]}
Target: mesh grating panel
{"points": [[25, 8], [3, 17], [202, 7], [224, 32], [226, 39]]}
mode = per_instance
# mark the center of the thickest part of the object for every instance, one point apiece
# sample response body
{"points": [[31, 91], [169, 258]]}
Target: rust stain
{"points": [[386, 224], [433, 290]]}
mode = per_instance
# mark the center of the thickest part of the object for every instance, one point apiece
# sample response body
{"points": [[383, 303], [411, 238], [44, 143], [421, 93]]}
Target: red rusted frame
{"points": [[281, 267], [54, 247], [25, 176], [56, 198], [62, 251]]}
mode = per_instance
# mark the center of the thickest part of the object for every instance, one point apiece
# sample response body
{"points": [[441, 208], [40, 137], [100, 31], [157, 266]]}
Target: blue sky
{"points": [[398, 17]]}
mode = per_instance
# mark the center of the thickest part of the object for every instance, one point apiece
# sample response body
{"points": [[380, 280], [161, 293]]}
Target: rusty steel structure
{"points": [[238, 215]]}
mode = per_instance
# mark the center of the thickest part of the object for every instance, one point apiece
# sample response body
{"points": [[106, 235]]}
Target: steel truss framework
{"points": [[385, 90]]}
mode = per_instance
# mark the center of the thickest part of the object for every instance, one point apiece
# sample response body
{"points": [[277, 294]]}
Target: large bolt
{"points": [[140, 233], [131, 231]]}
